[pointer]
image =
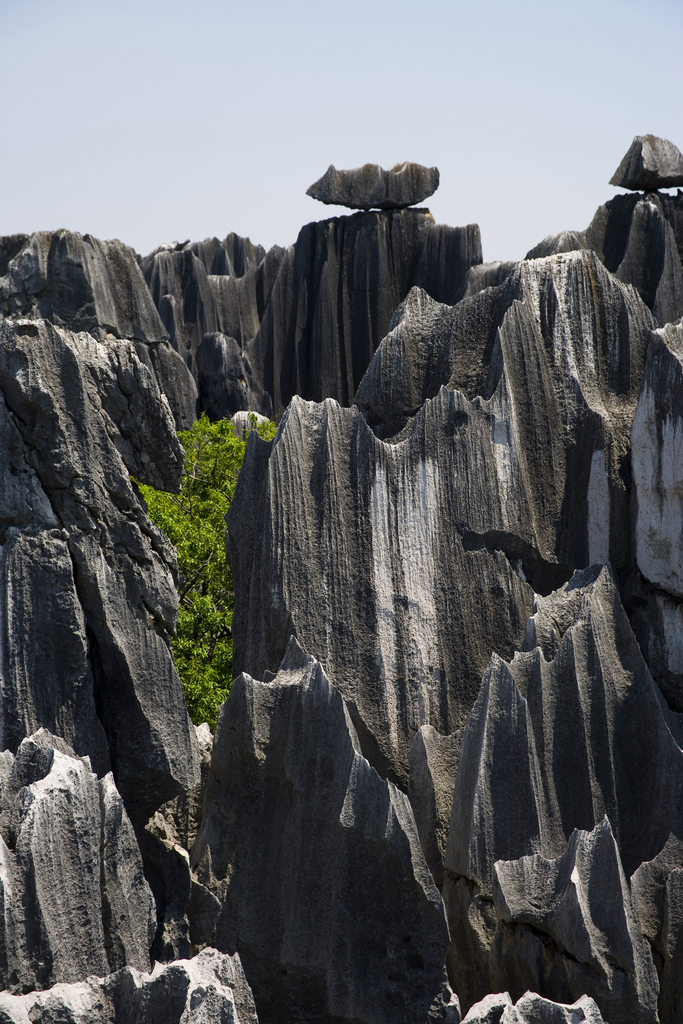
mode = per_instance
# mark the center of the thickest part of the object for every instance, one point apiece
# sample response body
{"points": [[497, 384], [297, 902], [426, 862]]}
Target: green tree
{"points": [[194, 523]]}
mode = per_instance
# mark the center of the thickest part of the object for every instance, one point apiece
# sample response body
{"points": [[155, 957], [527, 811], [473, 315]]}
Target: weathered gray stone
{"points": [[433, 766], [307, 319], [485, 275], [649, 164], [532, 1009], [568, 926], [635, 239], [316, 861], [436, 592], [533, 766], [563, 241], [657, 461], [371, 187], [541, 452], [657, 889], [243, 422], [568, 385], [96, 574], [75, 901], [209, 989], [83, 284], [225, 380]]}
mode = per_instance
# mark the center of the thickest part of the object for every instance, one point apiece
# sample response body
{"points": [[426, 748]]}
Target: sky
{"points": [[158, 121]]}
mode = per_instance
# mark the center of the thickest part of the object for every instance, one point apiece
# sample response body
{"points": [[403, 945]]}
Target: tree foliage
{"points": [[194, 523]]}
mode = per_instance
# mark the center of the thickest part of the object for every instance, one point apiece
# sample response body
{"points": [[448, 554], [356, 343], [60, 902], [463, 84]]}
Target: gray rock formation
{"points": [[209, 989], [323, 888], [432, 768], [88, 596], [225, 380], [337, 290], [371, 187], [564, 384], [650, 163], [657, 889], [657, 461], [524, 783], [485, 275], [392, 586], [83, 284], [305, 320], [532, 1009], [568, 926], [542, 453], [563, 241], [635, 238], [74, 899]]}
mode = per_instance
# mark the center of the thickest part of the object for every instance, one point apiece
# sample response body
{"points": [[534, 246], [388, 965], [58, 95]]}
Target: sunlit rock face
{"points": [[83, 284]]}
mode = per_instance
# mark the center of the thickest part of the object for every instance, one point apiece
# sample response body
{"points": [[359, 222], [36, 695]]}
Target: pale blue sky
{"points": [[154, 121]]}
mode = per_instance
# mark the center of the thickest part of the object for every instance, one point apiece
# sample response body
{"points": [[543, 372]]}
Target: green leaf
{"points": [[194, 522]]}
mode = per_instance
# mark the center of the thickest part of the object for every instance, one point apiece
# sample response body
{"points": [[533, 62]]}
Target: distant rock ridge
{"points": [[371, 187]]}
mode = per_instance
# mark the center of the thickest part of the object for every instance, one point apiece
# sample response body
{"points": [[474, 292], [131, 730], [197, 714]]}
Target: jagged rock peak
{"points": [[370, 186], [309, 864], [649, 164], [209, 989], [532, 1009]]}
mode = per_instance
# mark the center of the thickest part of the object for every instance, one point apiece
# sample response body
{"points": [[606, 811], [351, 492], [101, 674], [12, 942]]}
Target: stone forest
{"points": [[447, 780]]}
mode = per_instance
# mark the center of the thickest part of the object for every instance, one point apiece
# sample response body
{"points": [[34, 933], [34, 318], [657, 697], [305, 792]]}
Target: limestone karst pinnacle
{"points": [[371, 187], [448, 780]]}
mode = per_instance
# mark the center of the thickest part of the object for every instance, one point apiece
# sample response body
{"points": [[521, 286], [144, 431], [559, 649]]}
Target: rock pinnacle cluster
{"points": [[447, 782]]}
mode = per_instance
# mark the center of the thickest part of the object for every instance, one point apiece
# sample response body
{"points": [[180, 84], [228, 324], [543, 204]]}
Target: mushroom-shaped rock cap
{"points": [[370, 186], [650, 163]]}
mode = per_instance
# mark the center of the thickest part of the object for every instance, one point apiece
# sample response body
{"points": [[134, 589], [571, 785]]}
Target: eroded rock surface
{"points": [[533, 766], [371, 187], [532, 1009], [315, 862], [657, 459], [83, 284], [649, 164], [581, 902], [79, 552], [209, 989], [74, 898]]}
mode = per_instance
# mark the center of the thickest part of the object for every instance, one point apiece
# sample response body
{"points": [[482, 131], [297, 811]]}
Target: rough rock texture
{"points": [[83, 284], [484, 275], [564, 385], [225, 380], [211, 288], [210, 989], [337, 290], [568, 926], [563, 241], [74, 898], [87, 592], [371, 187], [323, 888], [649, 164], [377, 559], [305, 320], [432, 768], [657, 890], [525, 783], [657, 461], [532, 1009], [635, 239]]}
